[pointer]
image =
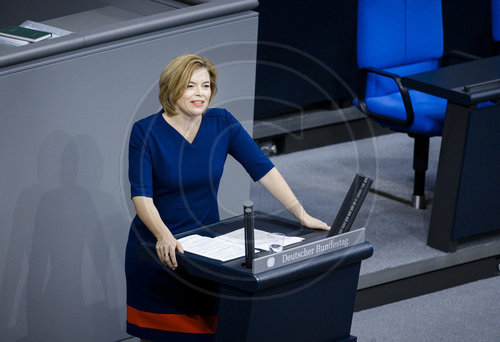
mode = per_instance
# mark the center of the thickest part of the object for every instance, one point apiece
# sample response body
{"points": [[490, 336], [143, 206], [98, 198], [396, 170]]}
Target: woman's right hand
{"points": [[166, 243], [165, 248]]}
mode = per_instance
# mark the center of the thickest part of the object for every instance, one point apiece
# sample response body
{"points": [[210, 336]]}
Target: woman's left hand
{"points": [[310, 222]]}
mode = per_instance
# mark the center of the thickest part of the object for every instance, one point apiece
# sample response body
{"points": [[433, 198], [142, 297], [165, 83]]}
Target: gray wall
{"points": [[64, 196]]}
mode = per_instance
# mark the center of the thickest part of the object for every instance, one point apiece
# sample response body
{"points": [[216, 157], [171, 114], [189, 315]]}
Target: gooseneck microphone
{"points": [[248, 217]]}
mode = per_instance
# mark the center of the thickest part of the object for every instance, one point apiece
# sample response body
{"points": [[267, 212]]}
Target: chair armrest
{"points": [[457, 54], [404, 94]]}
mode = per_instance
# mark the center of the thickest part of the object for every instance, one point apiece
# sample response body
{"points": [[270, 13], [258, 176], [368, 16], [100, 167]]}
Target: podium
{"points": [[467, 185], [304, 293]]}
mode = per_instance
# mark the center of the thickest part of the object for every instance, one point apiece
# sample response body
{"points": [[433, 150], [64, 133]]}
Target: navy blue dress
{"points": [[183, 180]]}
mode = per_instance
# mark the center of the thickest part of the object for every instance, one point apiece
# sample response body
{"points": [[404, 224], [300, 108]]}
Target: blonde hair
{"points": [[176, 76]]}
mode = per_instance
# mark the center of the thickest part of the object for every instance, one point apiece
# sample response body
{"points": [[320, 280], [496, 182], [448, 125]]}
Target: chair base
{"points": [[420, 163], [418, 201]]}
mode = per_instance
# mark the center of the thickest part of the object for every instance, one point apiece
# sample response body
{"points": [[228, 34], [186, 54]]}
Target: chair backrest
{"points": [[495, 19], [400, 36]]}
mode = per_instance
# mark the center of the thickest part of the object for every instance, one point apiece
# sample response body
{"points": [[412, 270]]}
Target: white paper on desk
{"points": [[228, 246], [56, 31], [12, 42], [212, 247], [260, 237]]}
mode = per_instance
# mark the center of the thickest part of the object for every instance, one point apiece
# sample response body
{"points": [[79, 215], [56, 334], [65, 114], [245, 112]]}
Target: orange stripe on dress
{"points": [[194, 324]]}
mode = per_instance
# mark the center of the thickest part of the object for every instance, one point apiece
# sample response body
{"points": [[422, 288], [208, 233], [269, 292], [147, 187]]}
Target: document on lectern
{"points": [[228, 246], [212, 248]]}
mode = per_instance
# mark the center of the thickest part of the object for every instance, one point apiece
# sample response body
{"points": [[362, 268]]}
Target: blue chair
{"points": [[396, 38], [495, 24]]}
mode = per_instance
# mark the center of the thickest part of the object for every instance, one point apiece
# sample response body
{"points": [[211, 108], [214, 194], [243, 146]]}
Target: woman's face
{"points": [[195, 99]]}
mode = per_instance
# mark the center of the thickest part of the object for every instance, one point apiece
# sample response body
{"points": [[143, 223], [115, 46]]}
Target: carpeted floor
{"points": [[464, 313]]}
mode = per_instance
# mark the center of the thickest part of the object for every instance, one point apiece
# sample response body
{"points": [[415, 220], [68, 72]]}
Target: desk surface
{"points": [[482, 76]]}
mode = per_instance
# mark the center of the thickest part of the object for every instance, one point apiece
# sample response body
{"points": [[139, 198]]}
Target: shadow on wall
{"points": [[64, 278]]}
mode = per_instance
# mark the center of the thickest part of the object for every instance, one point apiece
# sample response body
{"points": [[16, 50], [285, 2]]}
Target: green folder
{"points": [[23, 33]]}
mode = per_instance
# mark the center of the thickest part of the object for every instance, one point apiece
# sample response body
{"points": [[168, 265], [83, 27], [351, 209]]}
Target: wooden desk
{"points": [[467, 192]]}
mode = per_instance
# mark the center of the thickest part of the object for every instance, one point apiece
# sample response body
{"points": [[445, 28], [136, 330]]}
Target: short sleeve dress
{"points": [[183, 180]]}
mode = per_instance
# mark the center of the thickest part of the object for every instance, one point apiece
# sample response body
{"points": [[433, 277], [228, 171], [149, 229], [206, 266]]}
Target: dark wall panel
{"points": [[467, 26], [300, 45]]}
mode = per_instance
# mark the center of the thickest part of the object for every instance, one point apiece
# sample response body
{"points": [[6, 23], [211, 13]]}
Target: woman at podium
{"points": [[176, 160]]}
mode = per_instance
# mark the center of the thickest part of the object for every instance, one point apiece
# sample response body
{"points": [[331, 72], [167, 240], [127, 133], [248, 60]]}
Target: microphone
{"points": [[248, 216]]}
